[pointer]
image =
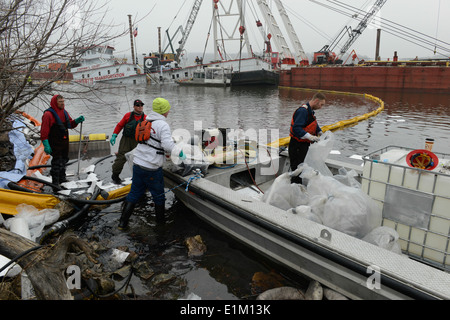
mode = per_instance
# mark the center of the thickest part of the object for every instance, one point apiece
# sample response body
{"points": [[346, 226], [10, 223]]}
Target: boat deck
{"points": [[226, 199]]}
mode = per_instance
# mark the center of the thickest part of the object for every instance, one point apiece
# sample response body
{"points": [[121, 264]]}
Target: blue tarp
{"points": [[22, 150]]}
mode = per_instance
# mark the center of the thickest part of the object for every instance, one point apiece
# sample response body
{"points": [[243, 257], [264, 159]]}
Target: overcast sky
{"points": [[314, 24]]}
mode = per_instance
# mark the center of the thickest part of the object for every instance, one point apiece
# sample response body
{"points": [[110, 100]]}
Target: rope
{"points": [[198, 175]]}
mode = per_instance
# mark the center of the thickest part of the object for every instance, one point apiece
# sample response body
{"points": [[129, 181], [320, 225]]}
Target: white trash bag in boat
{"points": [[347, 209], [318, 152], [384, 237], [305, 212], [348, 178], [350, 211], [284, 195]]}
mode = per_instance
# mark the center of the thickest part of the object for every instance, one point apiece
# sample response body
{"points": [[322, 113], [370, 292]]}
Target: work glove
{"points": [[79, 119], [182, 155], [311, 138], [47, 148], [113, 139]]}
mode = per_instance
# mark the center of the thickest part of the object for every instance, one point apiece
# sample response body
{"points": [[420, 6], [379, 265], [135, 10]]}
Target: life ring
{"points": [[422, 159]]}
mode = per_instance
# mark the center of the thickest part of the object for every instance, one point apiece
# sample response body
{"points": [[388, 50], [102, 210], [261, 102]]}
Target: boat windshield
{"points": [[214, 73]]}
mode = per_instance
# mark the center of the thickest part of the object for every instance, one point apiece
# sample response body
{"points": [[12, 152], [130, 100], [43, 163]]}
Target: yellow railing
{"points": [[340, 124]]}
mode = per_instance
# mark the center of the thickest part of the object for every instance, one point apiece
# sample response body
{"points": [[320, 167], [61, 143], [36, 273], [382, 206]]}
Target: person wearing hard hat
{"points": [[147, 163], [127, 142]]}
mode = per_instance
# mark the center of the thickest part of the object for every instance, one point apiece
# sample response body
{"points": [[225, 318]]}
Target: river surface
{"points": [[228, 270]]}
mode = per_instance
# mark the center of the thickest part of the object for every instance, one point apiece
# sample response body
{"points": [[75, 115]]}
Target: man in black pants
{"points": [[128, 142], [304, 131], [55, 126]]}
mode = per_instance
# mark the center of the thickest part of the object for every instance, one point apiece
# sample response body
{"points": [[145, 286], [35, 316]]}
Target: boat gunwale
{"points": [[215, 192]]}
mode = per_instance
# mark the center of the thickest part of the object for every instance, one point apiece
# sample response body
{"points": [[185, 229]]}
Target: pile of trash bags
{"points": [[336, 201]]}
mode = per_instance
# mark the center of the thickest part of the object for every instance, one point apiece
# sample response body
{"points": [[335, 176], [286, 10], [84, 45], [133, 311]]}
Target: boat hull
{"points": [[423, 78], [185, 73], [202, 84], [257, 77], [335, 259]]}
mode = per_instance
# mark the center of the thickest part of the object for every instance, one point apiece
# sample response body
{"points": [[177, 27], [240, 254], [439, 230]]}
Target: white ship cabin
{"points": [[97, 63]]}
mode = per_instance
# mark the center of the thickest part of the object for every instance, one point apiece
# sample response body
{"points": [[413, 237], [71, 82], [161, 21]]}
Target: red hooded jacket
{"points": [[48, 120]]}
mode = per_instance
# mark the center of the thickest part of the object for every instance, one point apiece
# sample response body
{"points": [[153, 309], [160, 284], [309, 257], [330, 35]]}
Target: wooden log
{"points": [[45, 266]]}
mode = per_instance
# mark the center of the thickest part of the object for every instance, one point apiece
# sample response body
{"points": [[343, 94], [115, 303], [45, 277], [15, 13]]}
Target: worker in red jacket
{"points": [[55, 126], [128, 142]]}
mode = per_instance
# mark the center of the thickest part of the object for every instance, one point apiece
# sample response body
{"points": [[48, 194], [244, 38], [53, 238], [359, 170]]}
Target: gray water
{"points": [[228, 270]]}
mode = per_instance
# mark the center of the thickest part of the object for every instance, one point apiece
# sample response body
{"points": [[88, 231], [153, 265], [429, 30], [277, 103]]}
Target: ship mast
{"points": [[362, 25], [131, 39], [225, 14], [187, 30]]}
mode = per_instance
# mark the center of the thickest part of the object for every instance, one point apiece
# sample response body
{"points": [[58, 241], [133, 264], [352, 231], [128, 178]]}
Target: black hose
{"points": [[49, 165], [101, 159], [13, 260], [54, 186], [17, 187], [62, 225], [97, 202]]}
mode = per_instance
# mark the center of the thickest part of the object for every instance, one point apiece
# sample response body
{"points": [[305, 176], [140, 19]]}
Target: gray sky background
{"points": [[314, 24]]}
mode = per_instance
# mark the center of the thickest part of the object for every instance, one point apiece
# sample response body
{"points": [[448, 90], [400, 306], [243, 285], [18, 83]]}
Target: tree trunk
{"points": [[46, 266]]}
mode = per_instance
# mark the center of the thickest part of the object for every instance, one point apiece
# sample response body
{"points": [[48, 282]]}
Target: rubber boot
{"points": [[116, 179], [62, 177], [159, 212], [55, 182], [127, 211]]}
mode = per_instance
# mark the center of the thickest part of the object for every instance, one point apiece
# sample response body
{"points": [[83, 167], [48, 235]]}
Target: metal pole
{"points": [[131, 40], [377, 50], [79, 149]]}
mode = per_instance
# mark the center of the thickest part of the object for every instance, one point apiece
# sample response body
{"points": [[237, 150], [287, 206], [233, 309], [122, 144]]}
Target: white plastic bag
{"points": [[348, 178], [348, 212], [318, 152], [284, 195], [289, 196], [384, 237], [347, 209], [305, 212], [36, 220]]}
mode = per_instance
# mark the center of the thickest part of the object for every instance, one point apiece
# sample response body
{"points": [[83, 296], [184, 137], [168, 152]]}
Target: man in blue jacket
{"points": [[304, 131]]}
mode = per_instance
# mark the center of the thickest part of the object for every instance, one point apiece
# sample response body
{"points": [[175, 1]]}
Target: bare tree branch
{"points": [[35, 33]]}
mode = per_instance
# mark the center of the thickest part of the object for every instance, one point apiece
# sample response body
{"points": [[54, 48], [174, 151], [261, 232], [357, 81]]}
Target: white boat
{"points": [[351, 261], [98, 65], [167, 74], [209, 77]]}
